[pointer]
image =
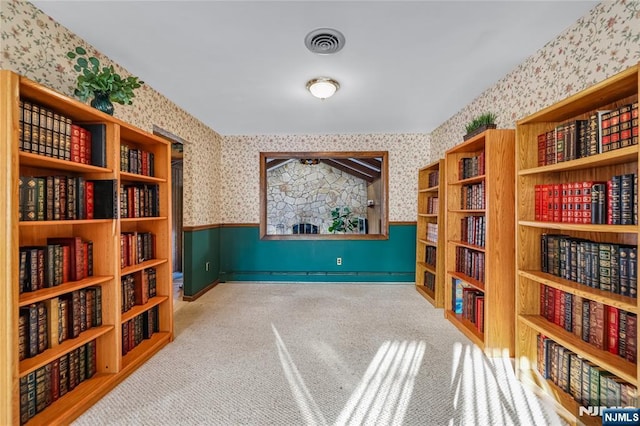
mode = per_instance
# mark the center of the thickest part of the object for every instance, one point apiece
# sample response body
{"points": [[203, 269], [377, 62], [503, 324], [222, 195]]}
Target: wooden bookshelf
{"points": [[621, 89], [431, 213], [491, 245], [111, 366]]}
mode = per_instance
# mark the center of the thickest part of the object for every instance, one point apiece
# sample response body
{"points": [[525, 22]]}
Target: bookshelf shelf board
{"points": [[426, 293], [58, 102], [428, 215], [31, 364], [586, 227], [618, 156], [36, 160], [47, 293], [67, 406], [468, 280], [466, 327], [140, 266], [610, 362], [625, 303], [467, 245], [138, 309], [467, 211], [430, 189], [141, 219], [426, 266], [428, 243], [64, 222], [144, 351], [134, 177], [474, 179], [128, 133]]}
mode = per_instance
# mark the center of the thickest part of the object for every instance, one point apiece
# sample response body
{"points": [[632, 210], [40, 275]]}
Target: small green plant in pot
{"points": [[343, 220], [481, 123], [102, 83]]}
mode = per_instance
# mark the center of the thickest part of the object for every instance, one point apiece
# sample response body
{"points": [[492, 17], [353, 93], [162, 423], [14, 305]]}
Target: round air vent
{"points": [[324, 41]]}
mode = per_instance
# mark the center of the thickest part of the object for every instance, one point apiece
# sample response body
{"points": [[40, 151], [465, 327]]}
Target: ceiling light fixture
{"points": [[322, 87]]}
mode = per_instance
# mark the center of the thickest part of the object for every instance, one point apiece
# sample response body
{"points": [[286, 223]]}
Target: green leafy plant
{"points": [[343, 220], [95, 79], [486, 119]]}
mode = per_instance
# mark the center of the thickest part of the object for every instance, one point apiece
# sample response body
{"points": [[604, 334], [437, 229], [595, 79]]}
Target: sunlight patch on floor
{"points": [[382, 395]]}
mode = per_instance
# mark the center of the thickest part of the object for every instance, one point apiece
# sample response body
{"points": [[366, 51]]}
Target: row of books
{"points": [[429, 281], [614, 202], [139, 201], [433, 204], [46, 132], [587, 383], [472, 230], [137, 289], [433, 179], [46, 324], [469, 167], [136, 247], [469, 303], [134, 160], [430, 256], [472, 197], [470, 263], [605, 327], [64, 198], [432, 232], [139, 328], [45, 385], [606, 266], [61, 260], [603, 131]]}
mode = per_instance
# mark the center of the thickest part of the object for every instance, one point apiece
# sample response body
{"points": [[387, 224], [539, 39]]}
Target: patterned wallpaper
{"points": [[599, 45], [34, 45], [240, 190]]}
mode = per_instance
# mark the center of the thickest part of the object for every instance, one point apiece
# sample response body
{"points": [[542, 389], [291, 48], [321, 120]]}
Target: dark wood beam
{"points": [[349, 170], [348, 162]]}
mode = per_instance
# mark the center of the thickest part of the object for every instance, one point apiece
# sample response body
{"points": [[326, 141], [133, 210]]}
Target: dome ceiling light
{"points": [[322, 87]]}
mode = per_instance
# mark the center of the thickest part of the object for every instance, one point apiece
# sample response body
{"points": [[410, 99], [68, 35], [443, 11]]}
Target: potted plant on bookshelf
{"points": [[103, 84], [343, 220], [480, 124]]}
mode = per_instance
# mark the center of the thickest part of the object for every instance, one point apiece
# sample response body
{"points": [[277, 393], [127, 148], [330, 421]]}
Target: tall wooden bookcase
{"points": [[430, 233], [111, 366], [488, 272], [619, 90]]}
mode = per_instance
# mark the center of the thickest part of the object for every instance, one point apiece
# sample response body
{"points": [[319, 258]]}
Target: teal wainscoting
{"points": [[244, 257], [200, 246]]}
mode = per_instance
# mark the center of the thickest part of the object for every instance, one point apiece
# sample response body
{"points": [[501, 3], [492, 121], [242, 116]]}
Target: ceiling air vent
{"points": [[324, 41]]}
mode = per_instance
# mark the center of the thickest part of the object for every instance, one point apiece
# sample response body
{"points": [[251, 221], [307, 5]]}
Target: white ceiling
{"points": [[241, 66]]}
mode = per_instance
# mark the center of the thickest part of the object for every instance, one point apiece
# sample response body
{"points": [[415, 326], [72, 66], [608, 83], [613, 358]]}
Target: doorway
{"points": [[177, 155]]}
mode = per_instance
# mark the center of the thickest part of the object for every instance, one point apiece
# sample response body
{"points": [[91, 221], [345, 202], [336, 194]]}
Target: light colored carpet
{"points": [[318, 354]]}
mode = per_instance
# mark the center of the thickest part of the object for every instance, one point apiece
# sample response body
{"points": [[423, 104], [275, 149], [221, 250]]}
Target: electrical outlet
{"points": [[339, 261], [206, 266]]}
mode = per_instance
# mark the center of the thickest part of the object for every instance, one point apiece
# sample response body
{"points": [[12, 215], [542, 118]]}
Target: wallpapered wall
{"points": [[600, 44], [240, 190], [34, 45]]}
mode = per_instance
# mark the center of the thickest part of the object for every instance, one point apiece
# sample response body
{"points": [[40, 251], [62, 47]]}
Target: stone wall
{"points": [[298, 193]]}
